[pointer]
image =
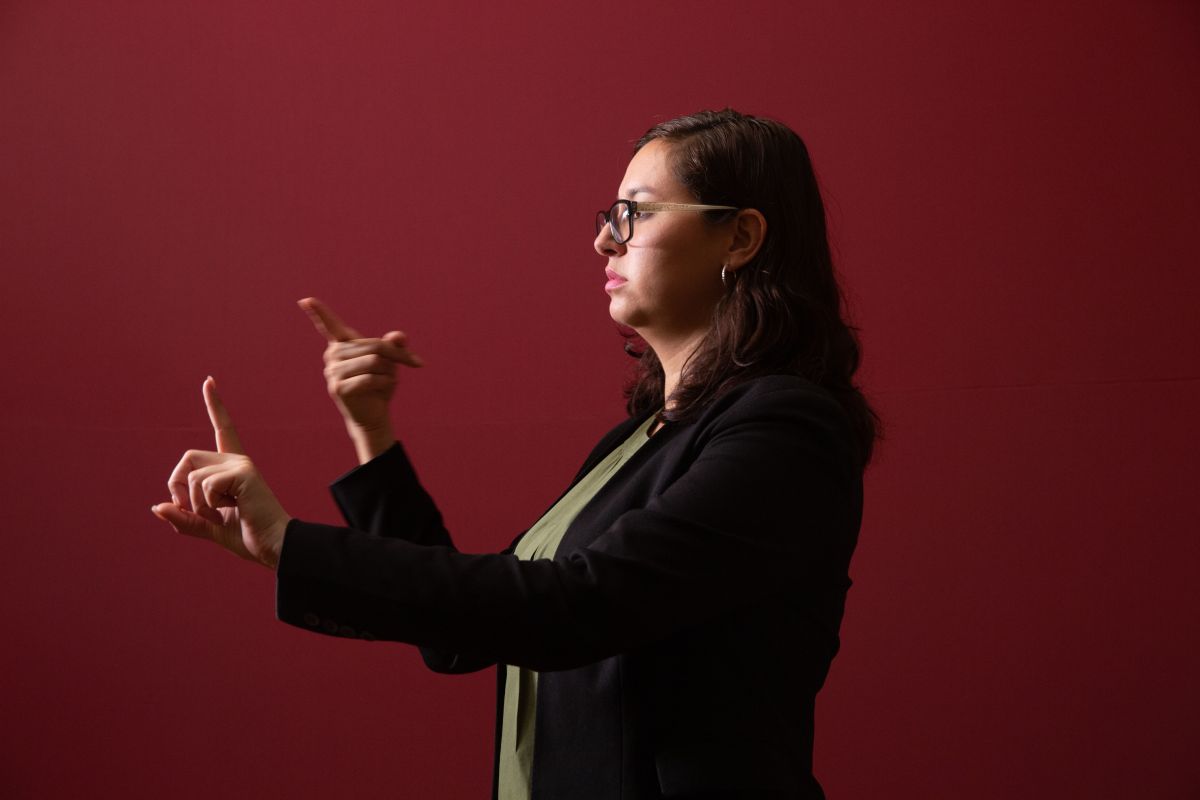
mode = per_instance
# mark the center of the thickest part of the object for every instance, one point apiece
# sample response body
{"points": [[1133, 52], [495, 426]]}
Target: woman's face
{"points": [[671, 266]]}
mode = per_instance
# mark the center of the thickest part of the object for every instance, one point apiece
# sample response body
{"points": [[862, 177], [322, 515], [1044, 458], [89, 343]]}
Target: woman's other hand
{"points": [[360, 376], [221, 496]]}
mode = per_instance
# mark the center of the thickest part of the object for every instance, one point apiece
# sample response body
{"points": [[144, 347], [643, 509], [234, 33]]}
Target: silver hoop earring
{"points": [[723, 281]]}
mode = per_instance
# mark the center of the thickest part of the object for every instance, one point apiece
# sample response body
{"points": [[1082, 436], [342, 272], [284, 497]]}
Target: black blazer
{"points": [[683, 628]]}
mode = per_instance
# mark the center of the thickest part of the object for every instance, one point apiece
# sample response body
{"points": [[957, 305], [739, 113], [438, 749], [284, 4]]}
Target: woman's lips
{"points": [[614, 280]]}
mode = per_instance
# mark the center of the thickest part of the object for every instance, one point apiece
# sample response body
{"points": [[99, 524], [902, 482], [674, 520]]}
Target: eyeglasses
{"points": [[619, 218]]}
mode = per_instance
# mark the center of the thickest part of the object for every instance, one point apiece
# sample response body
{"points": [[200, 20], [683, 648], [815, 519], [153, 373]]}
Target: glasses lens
{"points": [[622, 221], [601, 221]]}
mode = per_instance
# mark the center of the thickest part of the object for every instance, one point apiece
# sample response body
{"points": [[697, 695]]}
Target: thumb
{"points": [[185, 522], [399, 340]]}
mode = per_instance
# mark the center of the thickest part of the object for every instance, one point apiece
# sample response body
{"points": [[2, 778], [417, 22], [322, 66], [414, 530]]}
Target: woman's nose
{"points": [[606, 245]]}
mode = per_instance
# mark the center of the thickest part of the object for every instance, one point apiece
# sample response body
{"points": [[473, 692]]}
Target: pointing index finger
{"points": [[325, 321], [227, 436]]}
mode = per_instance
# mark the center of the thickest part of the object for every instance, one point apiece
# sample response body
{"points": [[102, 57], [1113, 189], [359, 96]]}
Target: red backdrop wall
{"points": [[1013, 199]]}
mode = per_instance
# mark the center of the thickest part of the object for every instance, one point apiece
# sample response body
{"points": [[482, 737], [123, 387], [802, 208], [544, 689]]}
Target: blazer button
{"points": [[367, 635], [330, 626], [311, 620], [346, 630]]}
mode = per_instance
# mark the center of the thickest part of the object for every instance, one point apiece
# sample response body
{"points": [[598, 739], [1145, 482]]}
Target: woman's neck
{"points": [[672, 354]]}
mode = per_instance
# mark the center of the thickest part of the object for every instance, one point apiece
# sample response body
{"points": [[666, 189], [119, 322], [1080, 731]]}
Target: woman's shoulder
{"points": [[778, 392], [785, 407]]}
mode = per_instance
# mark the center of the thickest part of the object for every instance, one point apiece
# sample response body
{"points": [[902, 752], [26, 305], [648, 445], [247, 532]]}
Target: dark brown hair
{"points": [[783, 310]]}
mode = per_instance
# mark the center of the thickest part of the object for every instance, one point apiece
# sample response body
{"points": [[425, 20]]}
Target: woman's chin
{"points": [[617, 311]]}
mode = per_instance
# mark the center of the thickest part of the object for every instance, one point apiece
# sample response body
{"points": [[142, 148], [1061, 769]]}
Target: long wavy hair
{"points": [[783, 310]]}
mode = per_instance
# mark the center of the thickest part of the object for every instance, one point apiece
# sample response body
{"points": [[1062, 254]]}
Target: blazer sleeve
{"points": [[384, 497], [762, 508]]}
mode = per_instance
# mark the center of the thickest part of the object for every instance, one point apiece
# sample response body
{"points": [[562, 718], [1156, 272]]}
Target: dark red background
{"points": [[1013, 200]]}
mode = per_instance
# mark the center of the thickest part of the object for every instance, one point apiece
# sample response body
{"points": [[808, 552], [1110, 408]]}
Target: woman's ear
{"points": [[750, 228]]}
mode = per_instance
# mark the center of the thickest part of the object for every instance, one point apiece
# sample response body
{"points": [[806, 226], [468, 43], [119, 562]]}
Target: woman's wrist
{"points": [[370, 442]]}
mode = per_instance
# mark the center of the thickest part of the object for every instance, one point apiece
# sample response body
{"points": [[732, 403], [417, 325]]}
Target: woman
{"points": [[663, 629]]}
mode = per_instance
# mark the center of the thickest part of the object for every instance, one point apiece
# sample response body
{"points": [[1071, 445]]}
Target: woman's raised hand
{"points": [[221, 496], [360, 375]]}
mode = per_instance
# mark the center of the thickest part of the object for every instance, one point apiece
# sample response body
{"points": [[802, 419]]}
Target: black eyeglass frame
{"points": [[606, 217]]}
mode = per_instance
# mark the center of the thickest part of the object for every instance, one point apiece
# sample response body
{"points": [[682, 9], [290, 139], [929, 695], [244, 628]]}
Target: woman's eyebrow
{"points": [[638, 190]]}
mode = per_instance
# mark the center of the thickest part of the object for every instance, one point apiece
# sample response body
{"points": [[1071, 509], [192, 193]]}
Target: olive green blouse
{"points": [[520, 685]]}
